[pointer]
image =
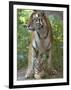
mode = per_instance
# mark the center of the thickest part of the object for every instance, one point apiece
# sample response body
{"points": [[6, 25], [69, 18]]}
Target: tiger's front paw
{"points": [[29, 76], [39, 75], [26, 77], [36, 76]]}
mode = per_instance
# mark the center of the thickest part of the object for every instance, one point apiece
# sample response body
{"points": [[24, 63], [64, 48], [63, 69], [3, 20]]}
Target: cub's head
{"points": [[37, 21]]}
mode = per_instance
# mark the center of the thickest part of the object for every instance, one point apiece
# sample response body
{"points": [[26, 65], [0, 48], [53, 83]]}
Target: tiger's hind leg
{"points": [[50, 67]]}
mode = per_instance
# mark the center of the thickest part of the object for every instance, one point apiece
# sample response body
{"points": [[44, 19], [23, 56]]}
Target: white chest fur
{"points": [[42, 44]]}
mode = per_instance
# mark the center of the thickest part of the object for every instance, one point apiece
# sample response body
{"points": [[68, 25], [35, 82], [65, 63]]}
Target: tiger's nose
{"points": [[29, 27]]}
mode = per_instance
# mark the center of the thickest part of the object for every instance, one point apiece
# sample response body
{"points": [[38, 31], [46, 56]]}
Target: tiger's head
{"points": [[37, 21]]}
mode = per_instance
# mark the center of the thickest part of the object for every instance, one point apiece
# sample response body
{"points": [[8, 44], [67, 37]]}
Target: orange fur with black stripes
{"points": [[41, 44]]}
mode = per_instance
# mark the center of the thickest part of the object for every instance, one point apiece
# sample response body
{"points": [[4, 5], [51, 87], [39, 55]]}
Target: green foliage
{"points": [[23, 15], [57, 31], [23, 37], [57, 26]]}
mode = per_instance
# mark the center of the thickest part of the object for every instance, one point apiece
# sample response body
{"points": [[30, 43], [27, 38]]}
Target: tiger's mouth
{"points": [[30, 28]]}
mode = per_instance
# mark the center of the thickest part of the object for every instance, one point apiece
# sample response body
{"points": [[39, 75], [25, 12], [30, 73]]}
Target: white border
{"points": [[26, 82]]}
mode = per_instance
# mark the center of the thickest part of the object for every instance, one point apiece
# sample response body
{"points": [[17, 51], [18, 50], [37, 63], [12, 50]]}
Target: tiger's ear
{"points": [[38, 11], [42, 13], [34, 10]]}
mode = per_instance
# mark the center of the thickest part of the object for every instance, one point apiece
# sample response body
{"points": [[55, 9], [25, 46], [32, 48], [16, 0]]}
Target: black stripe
{"points": [[36, 51], [38, 35], [43, 37], [36, 44], [34, 48]]}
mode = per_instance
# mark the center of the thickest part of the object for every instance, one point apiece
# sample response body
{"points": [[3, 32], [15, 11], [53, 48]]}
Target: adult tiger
{"points": [[40, 46]]}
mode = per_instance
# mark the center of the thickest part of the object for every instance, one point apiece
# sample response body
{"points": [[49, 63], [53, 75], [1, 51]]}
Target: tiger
{"points": [[40, 48]]}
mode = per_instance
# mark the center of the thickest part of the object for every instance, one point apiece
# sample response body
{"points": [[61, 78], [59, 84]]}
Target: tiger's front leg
{"points": [[29, 72], [31, 58], [38, 69]]}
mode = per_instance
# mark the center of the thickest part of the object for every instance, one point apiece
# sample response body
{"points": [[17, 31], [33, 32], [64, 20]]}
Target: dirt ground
{"points": [[21, 73]]}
